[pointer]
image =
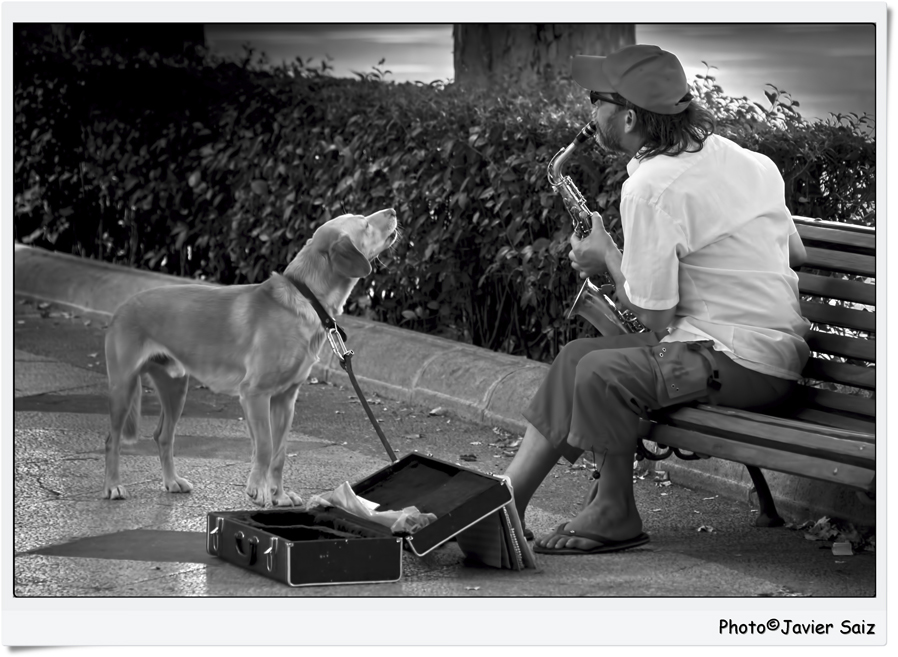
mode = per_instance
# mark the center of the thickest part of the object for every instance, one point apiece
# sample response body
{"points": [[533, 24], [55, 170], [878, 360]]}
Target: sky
{"points": [[828, 68]]}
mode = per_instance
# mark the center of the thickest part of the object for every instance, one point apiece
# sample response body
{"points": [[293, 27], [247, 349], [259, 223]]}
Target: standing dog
{"points": [[258, 342]]}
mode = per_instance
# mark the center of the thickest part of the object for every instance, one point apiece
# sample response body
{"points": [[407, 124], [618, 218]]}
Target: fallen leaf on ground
{"points": [[410, 436], [476, 442], [472, 588], [43, 305], [468, 457], [93, 355], [437, 411], [711, 498], [706, 528]]}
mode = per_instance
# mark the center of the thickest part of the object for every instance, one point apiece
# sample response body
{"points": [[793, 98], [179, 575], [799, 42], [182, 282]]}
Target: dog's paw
{"points": [[177, 485], [117, 492], [287, 498], [259, 495]]}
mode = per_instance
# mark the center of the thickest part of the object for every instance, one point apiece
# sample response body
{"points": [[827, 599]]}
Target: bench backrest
{"points": [[838, 295]]}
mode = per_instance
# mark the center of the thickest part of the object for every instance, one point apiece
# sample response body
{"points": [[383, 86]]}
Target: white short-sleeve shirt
{"points": [[708, 232]]}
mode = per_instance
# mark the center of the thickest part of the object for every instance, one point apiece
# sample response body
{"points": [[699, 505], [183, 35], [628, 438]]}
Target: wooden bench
{"points": [[827, 431]]}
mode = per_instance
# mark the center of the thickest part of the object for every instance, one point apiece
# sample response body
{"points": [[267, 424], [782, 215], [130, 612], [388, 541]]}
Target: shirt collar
{"points": [[634, 162]]}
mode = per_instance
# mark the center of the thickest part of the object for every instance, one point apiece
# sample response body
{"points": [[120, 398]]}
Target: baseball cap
{"points": [[647, 76]]}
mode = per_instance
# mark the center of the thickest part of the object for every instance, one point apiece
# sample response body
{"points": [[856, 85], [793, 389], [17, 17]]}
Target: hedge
{"points": [[221, 170]]}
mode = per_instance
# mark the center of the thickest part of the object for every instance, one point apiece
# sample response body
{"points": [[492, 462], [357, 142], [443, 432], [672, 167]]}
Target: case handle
{"points": [[253, 544]]}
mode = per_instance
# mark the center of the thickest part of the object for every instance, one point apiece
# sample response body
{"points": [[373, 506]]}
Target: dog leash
{"points": [[336, 336]]}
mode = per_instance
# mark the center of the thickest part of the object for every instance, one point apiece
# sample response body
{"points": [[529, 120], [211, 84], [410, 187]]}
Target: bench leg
{"points": [[767, 515]]}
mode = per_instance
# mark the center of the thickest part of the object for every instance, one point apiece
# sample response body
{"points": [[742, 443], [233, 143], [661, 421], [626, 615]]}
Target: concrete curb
{"points": [[475, 383]]}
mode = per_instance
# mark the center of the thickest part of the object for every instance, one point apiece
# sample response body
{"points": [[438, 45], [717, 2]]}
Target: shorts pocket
{"points": [[685, 372]]}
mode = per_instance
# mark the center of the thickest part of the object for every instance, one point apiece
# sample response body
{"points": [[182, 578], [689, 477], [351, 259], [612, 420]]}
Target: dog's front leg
{"points": [[282, 407], [256, 407]]}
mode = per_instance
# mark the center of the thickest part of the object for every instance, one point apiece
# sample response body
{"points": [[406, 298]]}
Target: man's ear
{"points": [[347, 259], [630, 121]]}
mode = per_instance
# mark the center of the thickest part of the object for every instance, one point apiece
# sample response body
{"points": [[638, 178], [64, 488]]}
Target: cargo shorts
{"points": [[597, 389]]}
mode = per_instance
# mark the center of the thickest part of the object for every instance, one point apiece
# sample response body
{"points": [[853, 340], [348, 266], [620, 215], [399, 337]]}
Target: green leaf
{"points": [[259, 187]]}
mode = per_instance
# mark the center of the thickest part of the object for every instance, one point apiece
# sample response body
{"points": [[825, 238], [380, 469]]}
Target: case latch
{"points": [[215, 536], [270, 554]]}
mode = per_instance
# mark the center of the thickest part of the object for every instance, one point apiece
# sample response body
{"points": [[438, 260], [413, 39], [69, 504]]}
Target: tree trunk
{"points": [[528, 54]]}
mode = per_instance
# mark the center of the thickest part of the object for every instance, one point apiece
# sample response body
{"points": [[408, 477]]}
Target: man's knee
{"points": [[575, 350], [615, 372], [611, 364]]}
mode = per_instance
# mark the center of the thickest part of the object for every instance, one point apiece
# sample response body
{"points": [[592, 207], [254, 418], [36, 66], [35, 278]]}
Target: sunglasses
{"points": [[596, 96]]}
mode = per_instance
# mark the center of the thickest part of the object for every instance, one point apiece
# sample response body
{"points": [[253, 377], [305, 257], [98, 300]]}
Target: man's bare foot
{"points": [[610, 511]]}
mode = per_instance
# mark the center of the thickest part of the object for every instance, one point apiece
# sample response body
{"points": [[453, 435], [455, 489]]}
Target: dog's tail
{"points": [[125, 386], [132, 419]]}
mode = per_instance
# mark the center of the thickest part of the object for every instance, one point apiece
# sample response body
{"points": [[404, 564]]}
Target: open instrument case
{"points": [[330, 546]]}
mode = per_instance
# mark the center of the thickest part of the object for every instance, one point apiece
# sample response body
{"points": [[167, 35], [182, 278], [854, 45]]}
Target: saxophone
{"points": [[592, 302]]}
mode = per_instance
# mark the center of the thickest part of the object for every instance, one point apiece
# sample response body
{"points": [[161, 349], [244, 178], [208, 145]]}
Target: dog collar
{"points": [[329, 323]]}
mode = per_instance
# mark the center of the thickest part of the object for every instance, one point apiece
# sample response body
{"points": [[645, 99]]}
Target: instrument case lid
{"points": [[459, 497]]}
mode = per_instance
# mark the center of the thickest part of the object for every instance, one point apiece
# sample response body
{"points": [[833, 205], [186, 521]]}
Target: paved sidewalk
{"points": [[152, 544]]}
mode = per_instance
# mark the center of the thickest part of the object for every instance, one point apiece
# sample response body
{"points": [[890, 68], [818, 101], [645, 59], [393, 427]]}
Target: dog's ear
{"points": [[347, 259]]}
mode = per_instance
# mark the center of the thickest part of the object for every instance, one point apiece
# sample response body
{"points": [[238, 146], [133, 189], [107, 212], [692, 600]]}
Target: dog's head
{"points": [[350, 242]]}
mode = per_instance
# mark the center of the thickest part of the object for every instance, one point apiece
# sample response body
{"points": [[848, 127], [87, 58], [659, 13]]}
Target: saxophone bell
{"points": [[593, 303]]}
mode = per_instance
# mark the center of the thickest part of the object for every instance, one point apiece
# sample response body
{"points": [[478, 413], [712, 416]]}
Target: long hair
{"points": [[671, 134]]}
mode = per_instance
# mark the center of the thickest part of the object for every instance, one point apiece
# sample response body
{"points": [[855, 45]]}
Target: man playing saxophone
{"points": [[708, 245]]}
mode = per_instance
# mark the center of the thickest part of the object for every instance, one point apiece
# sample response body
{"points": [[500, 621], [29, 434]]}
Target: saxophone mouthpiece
{"points": [[588, 132]]}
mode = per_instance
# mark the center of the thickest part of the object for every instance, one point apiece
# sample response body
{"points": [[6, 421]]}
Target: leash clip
{"points": [[337, 344]]}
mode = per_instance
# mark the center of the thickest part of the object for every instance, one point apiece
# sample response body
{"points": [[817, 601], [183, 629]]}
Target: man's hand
{"points": [[588, 255]]}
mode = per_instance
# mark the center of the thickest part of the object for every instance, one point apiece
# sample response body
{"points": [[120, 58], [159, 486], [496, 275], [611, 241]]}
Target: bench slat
{"points": [[821, 313], [839, 345], [836, 401], [785, 435], [837, 288], [837, 239], [760, 418], [813, 466], [849, 375], [835, 225], [834, 420], [850, 263]]}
